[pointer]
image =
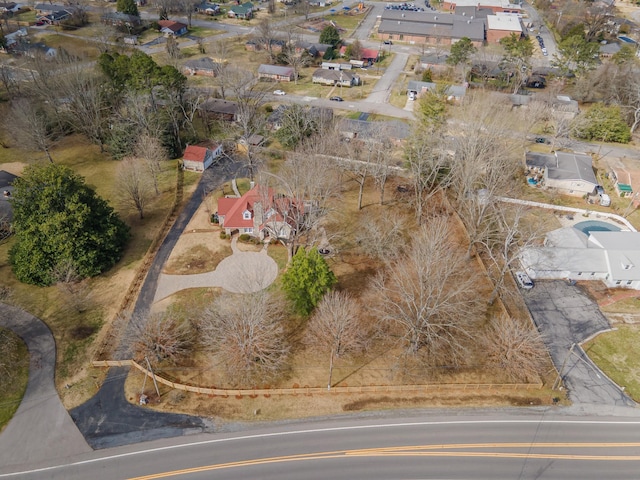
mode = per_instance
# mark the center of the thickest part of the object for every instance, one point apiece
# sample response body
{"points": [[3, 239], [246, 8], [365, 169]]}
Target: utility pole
{"points": [[558, 381], [153, 375]]}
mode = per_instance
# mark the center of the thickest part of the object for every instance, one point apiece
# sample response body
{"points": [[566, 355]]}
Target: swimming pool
{"points": [[596, 226], [626, 39]]}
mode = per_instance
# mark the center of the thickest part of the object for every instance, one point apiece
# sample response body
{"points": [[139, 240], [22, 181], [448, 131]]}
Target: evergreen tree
{"points": [[127, 6], [330, 36], [58, 220], [307, 279], [461, 51]]}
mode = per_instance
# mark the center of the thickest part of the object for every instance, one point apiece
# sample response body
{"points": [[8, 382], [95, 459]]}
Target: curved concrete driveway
{"points": [[242, 272], [41, 429]]}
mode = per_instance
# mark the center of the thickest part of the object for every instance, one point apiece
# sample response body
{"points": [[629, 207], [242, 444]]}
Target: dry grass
{"points": [[380, 365]]}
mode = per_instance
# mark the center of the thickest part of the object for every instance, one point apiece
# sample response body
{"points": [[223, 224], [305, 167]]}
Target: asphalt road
{"points": [[535, 444]]}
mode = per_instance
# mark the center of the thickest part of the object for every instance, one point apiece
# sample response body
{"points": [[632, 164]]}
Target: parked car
{"points": [[279, 92], [541, 140], [388, 42], [524, 281], [336, 99]]}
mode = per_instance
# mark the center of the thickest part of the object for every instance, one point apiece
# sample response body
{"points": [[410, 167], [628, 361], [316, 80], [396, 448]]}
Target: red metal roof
{"points": [[195, 153]]}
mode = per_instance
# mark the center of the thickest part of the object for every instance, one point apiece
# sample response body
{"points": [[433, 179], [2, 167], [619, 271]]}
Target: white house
{"points": [[198, 158], [610, 256], [570, 173]]}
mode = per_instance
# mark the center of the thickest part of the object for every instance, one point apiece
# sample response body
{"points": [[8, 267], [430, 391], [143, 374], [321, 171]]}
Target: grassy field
{"points": [[13, 391], [616, 354]]}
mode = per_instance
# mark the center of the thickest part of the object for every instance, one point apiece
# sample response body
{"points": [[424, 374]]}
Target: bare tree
{"points": [[430, 296], [245, 335], [381, 236], [160, 338], [514, 348], [485, 162], [74, 289], [266, 36], [133, 185], [310, 179], [150, 150], [30, 124], [8, 79], [508, 234], [429, 165], [336, 327]]}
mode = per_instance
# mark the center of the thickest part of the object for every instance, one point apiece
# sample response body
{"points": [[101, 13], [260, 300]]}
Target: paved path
{"points": [[41, 429], [242, 272], [566, 316]]}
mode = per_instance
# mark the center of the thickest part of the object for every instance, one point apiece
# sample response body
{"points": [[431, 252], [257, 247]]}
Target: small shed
{"points": [[198, 158]]}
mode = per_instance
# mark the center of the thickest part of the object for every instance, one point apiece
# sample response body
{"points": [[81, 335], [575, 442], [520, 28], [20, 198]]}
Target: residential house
{"points": [[567, 172], [611, 256], [434, 62], [260, 212], [43, 9], [172, 29], [503, 25], [243, 12], [220, 109], [9, 7], [202, 66], [53, 18], [430, 27], [119, 19], [313, 49], [367, 55], [207, 8], [197, 158], [319, 114], [563, 106], [609, 49], [493, 5], [453, 92], [13, 39], [335, 78], [394, 130], [276, 73]]}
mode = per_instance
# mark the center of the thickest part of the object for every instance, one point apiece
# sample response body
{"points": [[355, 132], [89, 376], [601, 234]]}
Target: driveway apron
{"points": [[566, 316]]}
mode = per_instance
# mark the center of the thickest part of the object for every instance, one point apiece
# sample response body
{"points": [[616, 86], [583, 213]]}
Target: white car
{"points": [[524, 281], [279, 92]]}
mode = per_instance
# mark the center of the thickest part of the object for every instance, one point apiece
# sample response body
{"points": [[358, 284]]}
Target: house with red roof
{"points": [[172, 29], [261, 213], [197, 158], [367, 55]]}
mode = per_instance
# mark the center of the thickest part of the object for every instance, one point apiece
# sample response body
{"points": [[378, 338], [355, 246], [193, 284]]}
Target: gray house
{"points": [[335, 77], [570, 173], [276, 73], [610, 256]]}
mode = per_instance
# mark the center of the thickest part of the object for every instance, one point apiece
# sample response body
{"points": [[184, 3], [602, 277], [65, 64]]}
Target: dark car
{"points": [[336, 99], [388, 42], [542, 140]]}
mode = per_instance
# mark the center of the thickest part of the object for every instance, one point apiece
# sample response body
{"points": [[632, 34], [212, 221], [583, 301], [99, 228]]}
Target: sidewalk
{"points": [[41, 429]]}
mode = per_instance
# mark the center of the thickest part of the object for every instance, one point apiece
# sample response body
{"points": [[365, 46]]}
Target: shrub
{"points": [[223, 236], [245, 237]]}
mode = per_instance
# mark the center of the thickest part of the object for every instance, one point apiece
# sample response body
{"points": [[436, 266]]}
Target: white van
{"points": [[605, 200]]}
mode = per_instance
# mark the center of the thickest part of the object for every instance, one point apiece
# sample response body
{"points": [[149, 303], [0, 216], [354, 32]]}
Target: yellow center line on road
{"points": [[422, 451]]}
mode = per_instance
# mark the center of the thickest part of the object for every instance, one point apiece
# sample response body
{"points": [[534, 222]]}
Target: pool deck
{"points": [[579, 218]]}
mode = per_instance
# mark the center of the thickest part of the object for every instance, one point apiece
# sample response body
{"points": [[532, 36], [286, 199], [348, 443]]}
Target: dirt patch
{"points": [[15, 168], [196, 259]]}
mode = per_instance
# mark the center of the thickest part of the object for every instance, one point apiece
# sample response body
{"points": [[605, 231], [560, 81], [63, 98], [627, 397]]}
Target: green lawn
{"points": [[616, 354], [12, 391]]}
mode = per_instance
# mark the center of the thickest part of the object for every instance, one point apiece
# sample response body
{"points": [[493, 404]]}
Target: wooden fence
{"points": [[306, 390]]}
